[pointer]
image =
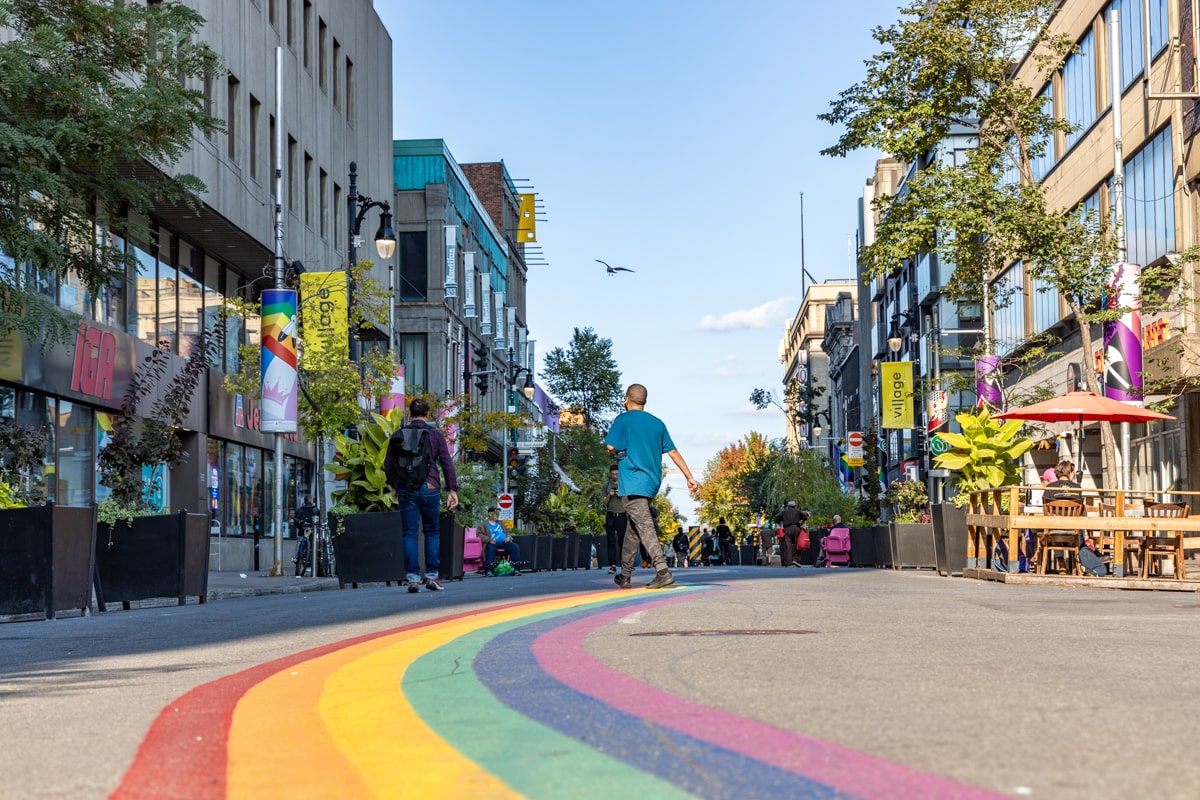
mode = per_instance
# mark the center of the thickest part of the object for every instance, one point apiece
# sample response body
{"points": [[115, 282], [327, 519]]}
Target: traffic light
{"points": [[481, 364], [514, 463]]}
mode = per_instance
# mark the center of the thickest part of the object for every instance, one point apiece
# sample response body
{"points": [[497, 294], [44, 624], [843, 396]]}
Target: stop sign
{"points": [[505, 502], [855, 439]]}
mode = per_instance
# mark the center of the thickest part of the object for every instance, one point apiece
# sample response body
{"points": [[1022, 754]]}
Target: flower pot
{"points": [[862, 547], [164, 555], [450, 548], [47, 554], [950, 538], [912, 545], [527, 542], [369, 548]]}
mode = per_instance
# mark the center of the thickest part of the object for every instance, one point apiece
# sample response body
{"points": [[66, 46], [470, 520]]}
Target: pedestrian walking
{"points": [[421, 507], [724, 541], [682, 547], [791, 520], [639, 440], [614, 518]]}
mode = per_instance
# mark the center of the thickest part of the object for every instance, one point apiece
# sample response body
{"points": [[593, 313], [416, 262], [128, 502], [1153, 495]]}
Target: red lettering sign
{"points": [[95, 355]]}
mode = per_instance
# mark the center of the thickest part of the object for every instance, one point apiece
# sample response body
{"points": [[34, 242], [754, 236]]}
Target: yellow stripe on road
{"points": [[340, 725]]}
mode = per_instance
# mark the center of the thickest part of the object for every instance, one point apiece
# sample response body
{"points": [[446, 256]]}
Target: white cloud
{"points": [[768, 315], [752, 411]]}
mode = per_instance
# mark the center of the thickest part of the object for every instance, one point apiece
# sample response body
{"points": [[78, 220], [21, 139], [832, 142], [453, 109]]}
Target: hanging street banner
{"points": [[451, 278], [278, 360], [938, 408], [324, 312], [987, 383], [896, 380], [1123, 338], [395, 395]]}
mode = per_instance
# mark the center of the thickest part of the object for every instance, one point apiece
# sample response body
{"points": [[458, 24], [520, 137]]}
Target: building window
{"points": [[350, 91], [1008, 316], [293, 185], [1041, 164], [306, 45], [274, 156], [214, 300], [323, 187], [231, 118], [308, 190], [255, 112], [322, 58], [1079, 89], [338, 227], [336, 62], [1150, 201], [208, 104], [143, 320], [414, 355], [75, 473], [413, 249], [1131, 40], [1159, 29], [291, 23]]}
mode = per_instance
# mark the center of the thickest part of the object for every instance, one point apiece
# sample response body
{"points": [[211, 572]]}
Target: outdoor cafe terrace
{"points": [[1147, 537]]}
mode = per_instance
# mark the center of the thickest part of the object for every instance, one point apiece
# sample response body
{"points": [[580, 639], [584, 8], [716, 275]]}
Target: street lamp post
{"points": [[513, 374], [385, 242]]}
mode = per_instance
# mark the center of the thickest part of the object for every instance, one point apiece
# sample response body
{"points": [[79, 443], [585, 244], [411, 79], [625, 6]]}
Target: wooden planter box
{"points": [[369, 548], [165, 555], [47, 555]]}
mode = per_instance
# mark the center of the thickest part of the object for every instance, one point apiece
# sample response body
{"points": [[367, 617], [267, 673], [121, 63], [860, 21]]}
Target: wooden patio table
{"points": [[986, 517]]}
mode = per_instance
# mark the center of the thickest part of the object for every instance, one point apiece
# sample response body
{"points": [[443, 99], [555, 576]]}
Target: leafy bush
{"points": [[910, 499], [986, 454], [359, 463]]}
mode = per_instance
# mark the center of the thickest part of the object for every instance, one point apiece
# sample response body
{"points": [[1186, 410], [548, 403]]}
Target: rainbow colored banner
{"points": [[279, 387]]}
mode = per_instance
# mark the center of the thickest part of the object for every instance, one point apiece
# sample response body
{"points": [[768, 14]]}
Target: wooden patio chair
{"points": [[1056, 546], [1158, 546]]}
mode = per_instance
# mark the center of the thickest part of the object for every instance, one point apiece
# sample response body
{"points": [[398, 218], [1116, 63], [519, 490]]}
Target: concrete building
{"points": [[461, 274], [336, 79], [806, 364]]}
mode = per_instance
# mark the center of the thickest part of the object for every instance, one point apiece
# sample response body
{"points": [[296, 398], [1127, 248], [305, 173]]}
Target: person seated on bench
{"points": [[494, 537]]}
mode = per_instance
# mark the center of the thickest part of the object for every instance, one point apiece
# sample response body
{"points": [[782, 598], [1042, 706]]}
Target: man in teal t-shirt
{"points": [[639, 441]]}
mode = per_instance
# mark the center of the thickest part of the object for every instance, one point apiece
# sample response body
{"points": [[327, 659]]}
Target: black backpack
{"points": [[408, 459]]}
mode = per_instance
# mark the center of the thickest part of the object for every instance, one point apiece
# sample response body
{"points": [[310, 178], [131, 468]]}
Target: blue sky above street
{"points": [[672, 139]]}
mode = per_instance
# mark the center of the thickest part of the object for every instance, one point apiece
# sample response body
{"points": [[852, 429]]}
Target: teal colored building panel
{"points": [[417, 162]]}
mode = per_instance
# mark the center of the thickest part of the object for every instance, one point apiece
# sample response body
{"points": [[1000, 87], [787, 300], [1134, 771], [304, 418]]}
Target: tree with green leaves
{"points": [[584, 376], [94, 93], [951, 67]]}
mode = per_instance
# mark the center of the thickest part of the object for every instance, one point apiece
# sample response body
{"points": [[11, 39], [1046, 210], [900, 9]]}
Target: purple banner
{"points": [[987, 382], [1123, 338]]}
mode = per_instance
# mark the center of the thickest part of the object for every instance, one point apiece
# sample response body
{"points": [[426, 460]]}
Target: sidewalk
{"points": [[226, 585]]}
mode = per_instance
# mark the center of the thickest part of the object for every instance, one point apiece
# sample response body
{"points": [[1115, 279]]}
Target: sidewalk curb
{"points": [[281, 585]]}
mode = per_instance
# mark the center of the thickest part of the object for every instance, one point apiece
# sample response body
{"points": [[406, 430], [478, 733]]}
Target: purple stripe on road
{"points": [[562, 655]]}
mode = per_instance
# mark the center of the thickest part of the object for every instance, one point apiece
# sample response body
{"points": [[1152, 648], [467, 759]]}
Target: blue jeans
{"points": [[421, 509], [514, 552]]}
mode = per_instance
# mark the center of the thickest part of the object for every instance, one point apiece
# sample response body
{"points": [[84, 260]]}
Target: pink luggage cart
{"points": [[837, 547]]}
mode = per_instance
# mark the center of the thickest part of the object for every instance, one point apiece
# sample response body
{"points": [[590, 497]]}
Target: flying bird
{"points": [[613, 270]]}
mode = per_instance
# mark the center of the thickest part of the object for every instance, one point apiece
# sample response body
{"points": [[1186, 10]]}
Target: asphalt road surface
{"points": [[739, 682]]}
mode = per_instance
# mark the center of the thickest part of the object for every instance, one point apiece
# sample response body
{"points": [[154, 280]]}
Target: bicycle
{"points": [[324, 548]]}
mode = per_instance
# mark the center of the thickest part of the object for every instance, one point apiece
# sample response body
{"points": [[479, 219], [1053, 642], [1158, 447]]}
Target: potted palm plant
{"points": [[986, 455]]}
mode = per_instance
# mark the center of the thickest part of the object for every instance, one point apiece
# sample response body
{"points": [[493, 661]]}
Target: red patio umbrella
{"points": [[1083, 407]]}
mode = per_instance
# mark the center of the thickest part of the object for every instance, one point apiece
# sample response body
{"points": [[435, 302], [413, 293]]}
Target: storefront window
{"points": [[269, 496], [191, 303], [167, 286], [233, 493], [254, 492], [212, 481], [38, 411], [75, 468]]}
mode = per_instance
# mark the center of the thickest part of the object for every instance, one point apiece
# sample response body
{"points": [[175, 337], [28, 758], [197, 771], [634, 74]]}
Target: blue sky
{"points": [[671, 138]]}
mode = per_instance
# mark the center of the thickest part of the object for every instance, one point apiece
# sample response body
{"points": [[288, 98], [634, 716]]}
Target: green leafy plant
{"points": [[22, 455], [110, 512], [156, 438], [986, 454], [910, 499], [8, 497], [359, 462], [478, 485]]}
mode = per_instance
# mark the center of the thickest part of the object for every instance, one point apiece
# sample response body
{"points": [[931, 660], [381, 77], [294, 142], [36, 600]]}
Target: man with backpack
{"points": [[414, 455]]}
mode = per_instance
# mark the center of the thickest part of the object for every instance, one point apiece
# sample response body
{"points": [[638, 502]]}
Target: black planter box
{"points": [[541, 559], [862, 547], [746, 554], [881, 537], [47, 554], [571, 558], [584, 560], [950, 538], [527, 543], [369, 548], [450, 548], [558, 552], [808, 557], [912, 545], [165, 555]]}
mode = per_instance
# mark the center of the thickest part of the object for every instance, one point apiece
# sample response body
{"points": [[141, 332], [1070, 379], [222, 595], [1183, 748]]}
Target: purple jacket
{"points": [[439, 453]]}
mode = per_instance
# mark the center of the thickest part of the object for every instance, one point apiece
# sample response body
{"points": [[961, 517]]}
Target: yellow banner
{"points": [[527, 226], [896, 379], [324, 313]]}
